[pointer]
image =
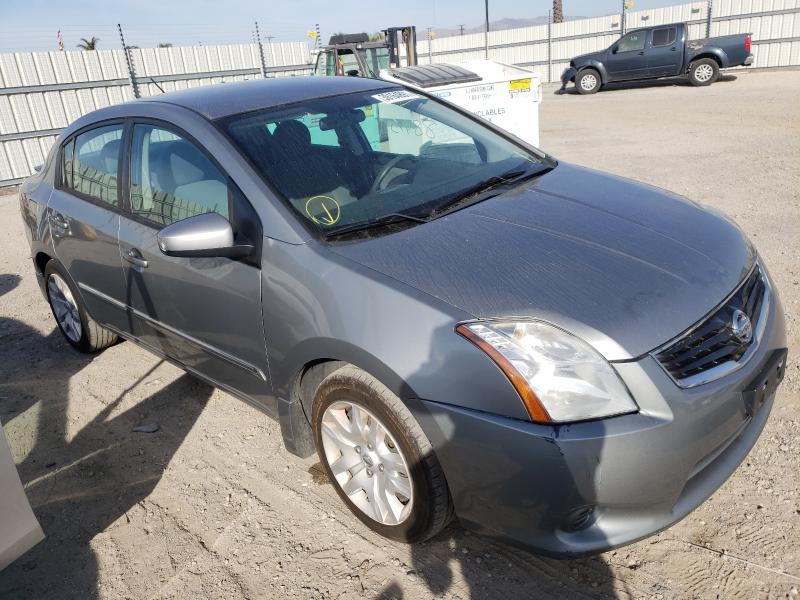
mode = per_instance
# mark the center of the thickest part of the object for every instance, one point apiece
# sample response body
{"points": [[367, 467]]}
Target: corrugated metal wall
{"points": [[42, 92], [775, 25]]}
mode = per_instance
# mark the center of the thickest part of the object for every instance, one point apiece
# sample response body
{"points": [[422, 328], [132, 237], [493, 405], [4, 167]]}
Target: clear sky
{"points": [[32, 24]]}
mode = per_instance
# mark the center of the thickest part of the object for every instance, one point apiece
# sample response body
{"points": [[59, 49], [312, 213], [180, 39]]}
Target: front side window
{"points": [[90, 163], [664, 37], [354, 158], [171, 179], [632, 41]]}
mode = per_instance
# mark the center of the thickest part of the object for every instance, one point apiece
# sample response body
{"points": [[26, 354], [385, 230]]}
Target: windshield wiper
{"points": [[381, 221], [476, 193]]}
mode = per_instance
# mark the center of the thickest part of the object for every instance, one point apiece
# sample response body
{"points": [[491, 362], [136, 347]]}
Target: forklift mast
{"points": [[401, 36]]}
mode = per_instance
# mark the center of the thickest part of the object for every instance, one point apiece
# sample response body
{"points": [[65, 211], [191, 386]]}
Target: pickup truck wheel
{"points": [[378, 458], [703, 72], [588, 81]]}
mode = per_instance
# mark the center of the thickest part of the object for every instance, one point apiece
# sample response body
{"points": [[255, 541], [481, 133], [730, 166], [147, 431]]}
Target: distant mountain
{"points": [[497, 26]]}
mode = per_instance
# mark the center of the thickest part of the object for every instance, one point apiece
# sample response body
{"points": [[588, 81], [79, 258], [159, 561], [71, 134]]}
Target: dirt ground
{"points": [[212, 505]]}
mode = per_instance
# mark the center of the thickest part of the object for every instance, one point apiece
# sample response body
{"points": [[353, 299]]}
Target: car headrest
{"points": [[292, 137], [109, 155]]}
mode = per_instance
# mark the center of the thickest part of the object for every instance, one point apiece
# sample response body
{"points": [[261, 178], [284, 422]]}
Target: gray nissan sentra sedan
{"points": [[457, 323]]}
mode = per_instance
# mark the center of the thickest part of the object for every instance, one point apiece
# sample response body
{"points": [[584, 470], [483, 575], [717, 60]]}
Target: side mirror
{"points": [[613, 49], [209, 234]]}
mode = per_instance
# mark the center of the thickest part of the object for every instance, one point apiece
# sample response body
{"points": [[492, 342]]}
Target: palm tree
{"points": [[165, 45], [89, 44], [376, 37], [558, 11]]}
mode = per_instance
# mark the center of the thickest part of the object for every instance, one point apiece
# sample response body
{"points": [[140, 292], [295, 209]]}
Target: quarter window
{"points": [[664, 37], [632, 41], [91, 162], [171, 179]]}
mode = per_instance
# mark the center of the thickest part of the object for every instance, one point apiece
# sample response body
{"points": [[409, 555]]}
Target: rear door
{"points": [[664, 55], [626, 59], [83, 215], [203, 312]]}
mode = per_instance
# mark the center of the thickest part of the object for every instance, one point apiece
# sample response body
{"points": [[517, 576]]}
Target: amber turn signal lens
{"points": [[536, 411]]}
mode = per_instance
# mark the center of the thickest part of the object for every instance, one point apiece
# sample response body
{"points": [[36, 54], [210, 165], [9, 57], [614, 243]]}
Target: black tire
{"points": [[431, 508], [588, 81], [703, 72], [93, 337]]}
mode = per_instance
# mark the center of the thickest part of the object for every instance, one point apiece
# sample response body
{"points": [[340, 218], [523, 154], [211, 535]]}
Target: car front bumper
{"points": [[588, 487]]}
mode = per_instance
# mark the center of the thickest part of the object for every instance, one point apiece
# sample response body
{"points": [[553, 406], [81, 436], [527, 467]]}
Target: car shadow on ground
{"points": [[649, 83], [81, 473]]}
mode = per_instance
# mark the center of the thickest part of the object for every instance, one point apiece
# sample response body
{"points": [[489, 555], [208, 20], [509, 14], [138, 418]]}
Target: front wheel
{"points": [[378, 458], [703, 72], [588, 81]]}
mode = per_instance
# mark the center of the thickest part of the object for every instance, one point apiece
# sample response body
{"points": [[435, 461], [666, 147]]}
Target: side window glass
{"points": [[66, 164], [632, 41], [91, 163], [171, 179], [664, 37]]}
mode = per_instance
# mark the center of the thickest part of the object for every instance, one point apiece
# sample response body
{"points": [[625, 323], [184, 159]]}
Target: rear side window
{"points": [[171, 178], [91, 163], [664, 37]]}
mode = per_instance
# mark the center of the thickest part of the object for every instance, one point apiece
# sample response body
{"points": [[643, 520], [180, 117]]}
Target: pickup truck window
{"points": [[664, 37], [632, 41]]}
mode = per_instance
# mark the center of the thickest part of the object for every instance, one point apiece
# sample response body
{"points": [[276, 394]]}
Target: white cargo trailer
{"points": [[507, 96]]}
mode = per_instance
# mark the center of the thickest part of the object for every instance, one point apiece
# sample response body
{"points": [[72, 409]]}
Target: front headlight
{"points": [[559, 377]]}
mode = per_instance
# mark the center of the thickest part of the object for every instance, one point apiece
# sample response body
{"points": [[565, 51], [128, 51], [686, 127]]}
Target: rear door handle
{"points": [[674, 49], [641, 53], [135, 257]]}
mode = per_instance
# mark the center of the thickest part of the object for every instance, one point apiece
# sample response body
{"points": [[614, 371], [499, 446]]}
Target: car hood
{"points": [[623, 265], [586, 58]]}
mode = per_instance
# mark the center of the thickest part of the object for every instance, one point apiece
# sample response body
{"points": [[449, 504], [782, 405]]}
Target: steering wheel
{"points": [[376, 185]]}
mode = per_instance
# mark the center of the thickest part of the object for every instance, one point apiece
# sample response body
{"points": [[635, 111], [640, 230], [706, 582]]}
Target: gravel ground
{"points": [[212, 505]]}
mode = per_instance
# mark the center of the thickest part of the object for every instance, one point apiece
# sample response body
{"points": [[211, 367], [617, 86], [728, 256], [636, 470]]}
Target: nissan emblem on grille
{"points": [[741, 326]]}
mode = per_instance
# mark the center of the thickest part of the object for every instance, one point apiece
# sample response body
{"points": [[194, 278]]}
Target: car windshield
{"points": [[382, 156]]}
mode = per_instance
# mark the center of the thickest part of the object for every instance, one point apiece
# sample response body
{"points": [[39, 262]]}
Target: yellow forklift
{"points": [[354, 55]]}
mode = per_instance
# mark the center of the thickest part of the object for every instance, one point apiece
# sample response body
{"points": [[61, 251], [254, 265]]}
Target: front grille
{"points": [[712, 342]]}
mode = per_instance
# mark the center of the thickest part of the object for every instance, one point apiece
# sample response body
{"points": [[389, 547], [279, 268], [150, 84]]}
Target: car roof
{"points": [[221, 100]]}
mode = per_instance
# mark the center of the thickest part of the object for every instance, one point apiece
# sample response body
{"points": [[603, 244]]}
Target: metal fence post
{"points": [[549, 50], [318, 39], [709, 17], [486, 33], [129, 63], [261, 53]]}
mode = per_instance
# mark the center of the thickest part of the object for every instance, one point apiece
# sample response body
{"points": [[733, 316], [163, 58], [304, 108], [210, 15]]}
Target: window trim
{"points": [[167, 126], [59, 175], [669, 43]]}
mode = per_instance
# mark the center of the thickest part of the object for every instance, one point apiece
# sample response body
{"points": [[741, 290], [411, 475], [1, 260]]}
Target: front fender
{"points": [[593, 64]]}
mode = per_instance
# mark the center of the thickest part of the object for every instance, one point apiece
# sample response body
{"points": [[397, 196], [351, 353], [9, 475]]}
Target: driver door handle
{"points": [[135, 257]]}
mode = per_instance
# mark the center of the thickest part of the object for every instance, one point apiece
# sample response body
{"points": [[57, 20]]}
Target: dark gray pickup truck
{"points": [[654, 52]]}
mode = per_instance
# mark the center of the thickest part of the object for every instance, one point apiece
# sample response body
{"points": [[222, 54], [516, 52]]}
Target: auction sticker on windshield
{"points": [[395, 96]]}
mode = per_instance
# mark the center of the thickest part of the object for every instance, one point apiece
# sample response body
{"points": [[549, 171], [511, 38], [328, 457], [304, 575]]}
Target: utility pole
{"points": [[622, 19], [558, 11], [261, 53], [318, 39], [461, 28], [129, 63], [549, 47], [430, 45], [486, 33], [709, 17]]}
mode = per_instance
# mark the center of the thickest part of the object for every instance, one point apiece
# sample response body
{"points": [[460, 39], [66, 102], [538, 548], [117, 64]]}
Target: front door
{"points": [[203, 312], [83, 215], [626, 59], [664, 55]]}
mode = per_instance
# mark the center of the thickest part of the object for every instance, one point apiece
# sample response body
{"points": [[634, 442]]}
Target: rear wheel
{"points": [[378, 458], [80, 330], [588, 81], [703, 72]]}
